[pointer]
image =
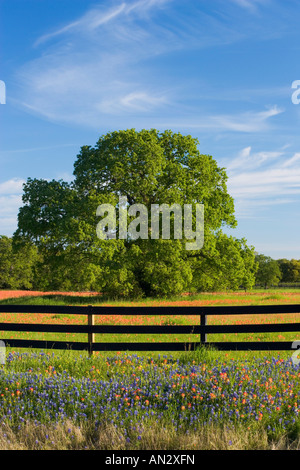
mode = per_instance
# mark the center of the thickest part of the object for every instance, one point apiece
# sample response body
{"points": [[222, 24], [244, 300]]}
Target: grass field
{"points": [[196, 400]]}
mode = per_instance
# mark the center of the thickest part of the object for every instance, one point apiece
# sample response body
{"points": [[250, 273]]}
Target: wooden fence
{"points": [[203, 328]]}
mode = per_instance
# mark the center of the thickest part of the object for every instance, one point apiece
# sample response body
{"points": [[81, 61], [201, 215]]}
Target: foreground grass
{"points": [[68, 436]]}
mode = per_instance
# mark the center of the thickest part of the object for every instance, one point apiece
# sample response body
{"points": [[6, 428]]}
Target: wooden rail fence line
{"points": [[203, 328]]}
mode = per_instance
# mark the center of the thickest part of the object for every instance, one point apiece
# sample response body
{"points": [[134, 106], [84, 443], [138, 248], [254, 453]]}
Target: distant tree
{"points": [[268, 272], [290, 270], [284, 266], [295, 270]]}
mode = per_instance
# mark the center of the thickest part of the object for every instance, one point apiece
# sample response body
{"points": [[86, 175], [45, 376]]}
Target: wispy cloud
{"points": [[250, 5], [89, 22], [97, 65], [290, 163], [244, 122], [100, 69], [35, 149], [249, 161], [258, 180], [97, 17]]}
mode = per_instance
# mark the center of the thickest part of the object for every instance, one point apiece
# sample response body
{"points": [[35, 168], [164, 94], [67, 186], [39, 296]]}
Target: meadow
{"points": [[192, 400]]}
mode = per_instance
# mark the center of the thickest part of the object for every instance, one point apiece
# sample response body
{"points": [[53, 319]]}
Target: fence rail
{"points": [[203, 328]]}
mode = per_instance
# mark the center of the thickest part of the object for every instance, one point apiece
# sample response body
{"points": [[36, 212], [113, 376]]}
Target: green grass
{"points": [[258, 295]]}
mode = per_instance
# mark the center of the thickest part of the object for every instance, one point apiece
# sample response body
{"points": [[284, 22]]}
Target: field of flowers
{"points": [[132, 394], [195, 400]]}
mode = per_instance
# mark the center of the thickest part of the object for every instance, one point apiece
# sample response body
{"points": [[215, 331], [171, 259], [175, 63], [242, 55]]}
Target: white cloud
{"points": [[291, 161], [250, 5], [12, 186], [97, 17], [8, 225], [10, 202], [90, 21], [247, 160], [263, 179], [247, 122], [135, 102]]}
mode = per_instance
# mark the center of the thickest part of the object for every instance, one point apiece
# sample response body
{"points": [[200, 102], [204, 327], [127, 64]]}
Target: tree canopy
{"points": [[147, 167]]}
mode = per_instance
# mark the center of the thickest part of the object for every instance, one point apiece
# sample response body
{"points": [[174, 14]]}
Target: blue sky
{"points": [[220, 70]]}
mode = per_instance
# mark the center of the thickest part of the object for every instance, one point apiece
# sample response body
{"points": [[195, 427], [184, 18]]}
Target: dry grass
{"points": [[70, 437]]}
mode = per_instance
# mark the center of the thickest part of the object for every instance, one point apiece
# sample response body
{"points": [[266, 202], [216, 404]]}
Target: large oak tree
{"points": [[147, 167]]}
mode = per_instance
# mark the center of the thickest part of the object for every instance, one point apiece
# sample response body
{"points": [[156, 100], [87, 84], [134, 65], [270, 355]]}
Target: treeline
{"points": [[272, 272], [23, 266]]}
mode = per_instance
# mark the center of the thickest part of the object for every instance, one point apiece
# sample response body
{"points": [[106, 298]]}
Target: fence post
{"points": [[91, 336], [203, 322]]}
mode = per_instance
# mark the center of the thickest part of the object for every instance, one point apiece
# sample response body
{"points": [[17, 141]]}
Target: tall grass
{"points": [[68, 436]]}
